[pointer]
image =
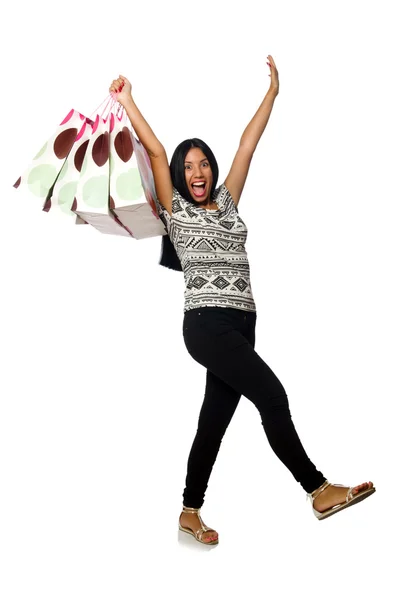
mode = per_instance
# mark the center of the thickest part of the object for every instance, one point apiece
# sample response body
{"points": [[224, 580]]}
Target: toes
{"points": [[362, 486]]}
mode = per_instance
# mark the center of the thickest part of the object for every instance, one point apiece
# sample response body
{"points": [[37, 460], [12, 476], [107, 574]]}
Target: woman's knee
{"points": [[276, 411], [273, 405]]}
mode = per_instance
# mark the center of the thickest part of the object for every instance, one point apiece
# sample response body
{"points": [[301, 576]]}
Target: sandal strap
{"points": [[349, 493], [192, 511], [313, 495], [199, 532]]}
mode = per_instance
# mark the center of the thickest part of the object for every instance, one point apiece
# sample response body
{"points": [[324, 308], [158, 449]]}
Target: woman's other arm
{"points": [[249, 140]]}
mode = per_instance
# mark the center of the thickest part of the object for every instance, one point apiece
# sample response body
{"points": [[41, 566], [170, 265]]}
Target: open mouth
{"points": [[199, 189]]}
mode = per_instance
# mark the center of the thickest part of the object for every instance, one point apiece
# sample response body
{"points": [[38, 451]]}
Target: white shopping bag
{"points": [[91, 202], [131, 182], [44, 169]]}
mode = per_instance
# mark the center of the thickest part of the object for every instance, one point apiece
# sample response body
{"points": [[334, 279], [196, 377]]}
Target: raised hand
{"points": [[274, 83]]}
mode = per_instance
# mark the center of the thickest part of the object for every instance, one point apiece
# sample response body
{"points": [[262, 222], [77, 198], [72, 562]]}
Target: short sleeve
{"points": [[225, 198], [163, 214]]}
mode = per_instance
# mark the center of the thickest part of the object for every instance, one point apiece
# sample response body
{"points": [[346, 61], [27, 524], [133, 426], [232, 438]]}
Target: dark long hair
{"points": [[169, 257]]}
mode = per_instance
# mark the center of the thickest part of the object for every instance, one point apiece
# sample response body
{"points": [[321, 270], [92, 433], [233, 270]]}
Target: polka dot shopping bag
{"points": [[41, 174], [64, 189], [132, 188]]}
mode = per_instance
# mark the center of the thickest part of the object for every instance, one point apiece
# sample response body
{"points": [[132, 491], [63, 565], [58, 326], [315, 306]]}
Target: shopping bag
{"points": [[91, 201], [65, 187], [42, 173], [131, 182]]}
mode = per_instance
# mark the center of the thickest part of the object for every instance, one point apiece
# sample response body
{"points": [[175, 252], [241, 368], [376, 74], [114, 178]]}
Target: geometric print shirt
{"points": [[210, 244]]}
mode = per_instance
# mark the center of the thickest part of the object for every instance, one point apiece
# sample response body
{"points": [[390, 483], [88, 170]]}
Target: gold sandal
{"points": [[350, 499], [203, 529]]}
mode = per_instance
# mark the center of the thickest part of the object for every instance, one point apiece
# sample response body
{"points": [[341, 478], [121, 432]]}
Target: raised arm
{"points": [[239, 170], [121, 87]]}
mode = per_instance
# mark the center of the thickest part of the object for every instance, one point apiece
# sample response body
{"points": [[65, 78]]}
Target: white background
{"points": [[99, 396]]}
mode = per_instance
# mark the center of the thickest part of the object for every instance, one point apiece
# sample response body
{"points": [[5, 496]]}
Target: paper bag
{"points": [[131, 183], [65, 187], [44, 169], [91, 202]]}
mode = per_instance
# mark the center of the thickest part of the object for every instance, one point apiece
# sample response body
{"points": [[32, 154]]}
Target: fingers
{"points": [[117, 85], [271, 62]]}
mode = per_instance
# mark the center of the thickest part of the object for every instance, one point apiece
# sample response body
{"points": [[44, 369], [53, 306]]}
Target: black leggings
{"points": [[223, 341]]}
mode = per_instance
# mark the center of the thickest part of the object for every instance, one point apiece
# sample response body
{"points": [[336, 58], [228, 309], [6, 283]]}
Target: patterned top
{"points": [[211, 247]]}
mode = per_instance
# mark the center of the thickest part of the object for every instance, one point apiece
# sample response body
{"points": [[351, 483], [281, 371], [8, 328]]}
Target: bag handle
{"points": [[105, 104]]}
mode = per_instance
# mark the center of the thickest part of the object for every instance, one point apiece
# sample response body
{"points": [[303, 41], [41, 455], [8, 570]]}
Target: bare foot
{"points": [[192, 521], [333, 495]]}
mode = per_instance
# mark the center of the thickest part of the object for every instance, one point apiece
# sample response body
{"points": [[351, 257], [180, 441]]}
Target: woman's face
{"points": [[198, 171]]}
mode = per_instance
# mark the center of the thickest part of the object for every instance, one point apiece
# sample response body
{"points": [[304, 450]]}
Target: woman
{"points": [[206, 240]]}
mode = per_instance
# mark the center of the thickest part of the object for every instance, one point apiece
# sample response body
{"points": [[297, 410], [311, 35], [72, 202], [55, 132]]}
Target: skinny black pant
{"points": [[223, 341]]}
